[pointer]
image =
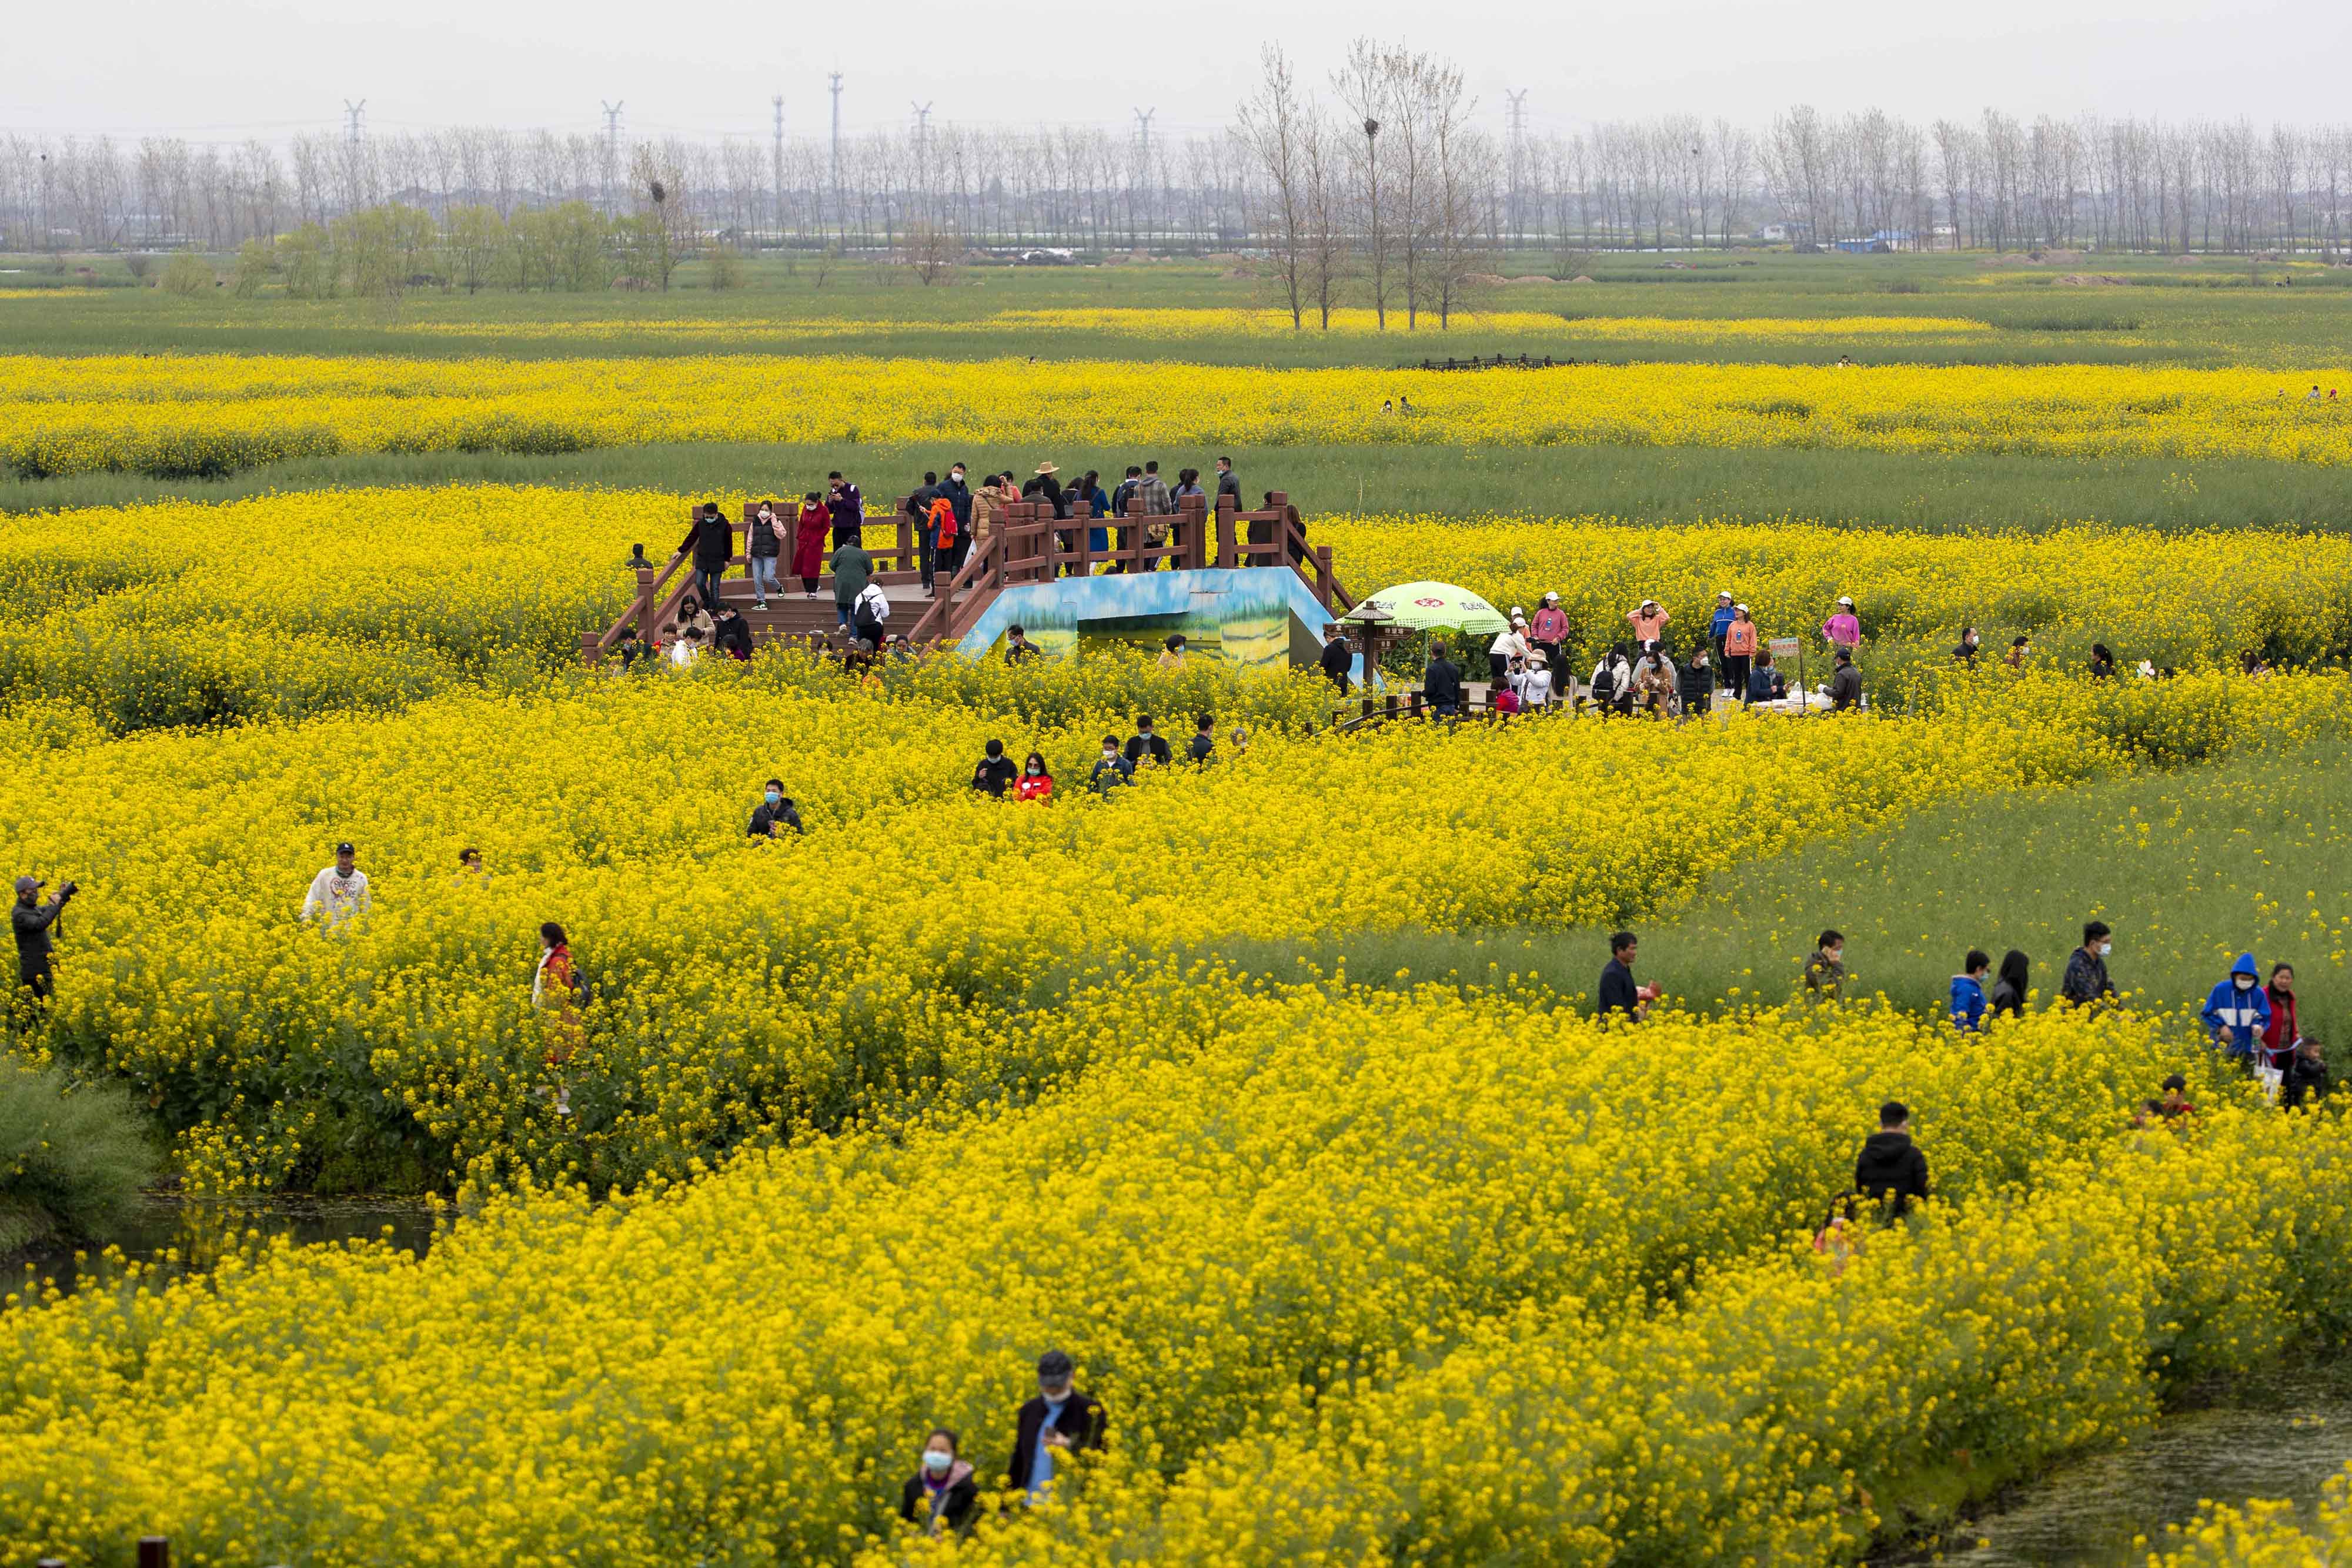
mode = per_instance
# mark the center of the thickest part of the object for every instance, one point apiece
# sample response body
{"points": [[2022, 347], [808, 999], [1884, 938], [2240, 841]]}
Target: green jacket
{"points": [[852, 570]]}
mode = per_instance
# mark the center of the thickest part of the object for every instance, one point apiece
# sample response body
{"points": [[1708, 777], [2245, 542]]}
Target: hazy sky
{"points": [[223, 69]]}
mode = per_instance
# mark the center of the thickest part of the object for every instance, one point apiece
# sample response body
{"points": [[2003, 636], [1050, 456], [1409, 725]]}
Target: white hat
{"points": [[1517, 619], [1549, 596], [1723, 593], [1516, 612], [1646, 602], [1844, 600], [1742, 608]]}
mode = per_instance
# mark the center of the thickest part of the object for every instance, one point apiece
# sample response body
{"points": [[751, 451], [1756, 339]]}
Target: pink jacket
{"points": [[1845, 628]]}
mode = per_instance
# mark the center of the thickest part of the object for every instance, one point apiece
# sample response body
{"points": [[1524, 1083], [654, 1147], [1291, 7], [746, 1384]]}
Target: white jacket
{"points": [[1536, 690]]}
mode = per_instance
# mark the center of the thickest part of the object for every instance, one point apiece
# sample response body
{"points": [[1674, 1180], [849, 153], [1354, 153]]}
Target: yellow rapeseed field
{"points": [[198, 413]]}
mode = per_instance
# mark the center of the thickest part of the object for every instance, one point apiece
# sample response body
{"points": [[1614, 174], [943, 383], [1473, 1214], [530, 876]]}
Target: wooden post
{"points": [[910, 552], [646, 602], [1228, 555], [1199, 516], [154, 1551], [1083, 515], [1323, 591]]}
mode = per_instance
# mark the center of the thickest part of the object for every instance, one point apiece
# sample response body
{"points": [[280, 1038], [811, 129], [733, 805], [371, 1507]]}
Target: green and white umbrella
{"points": [[1424, 606]]}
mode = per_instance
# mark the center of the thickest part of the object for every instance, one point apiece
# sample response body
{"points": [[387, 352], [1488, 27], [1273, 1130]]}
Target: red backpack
{"points": [[943, 514]]}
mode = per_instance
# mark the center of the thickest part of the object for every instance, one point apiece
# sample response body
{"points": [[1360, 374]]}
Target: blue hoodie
{"points": [[2242, 1015], [1967, 1001]]}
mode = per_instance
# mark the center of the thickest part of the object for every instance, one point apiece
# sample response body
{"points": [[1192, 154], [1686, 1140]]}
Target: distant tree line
{"points": [[1396, 209]]}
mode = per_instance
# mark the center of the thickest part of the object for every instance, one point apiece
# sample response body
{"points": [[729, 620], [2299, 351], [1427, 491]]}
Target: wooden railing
{"points": [[1026, 543]]}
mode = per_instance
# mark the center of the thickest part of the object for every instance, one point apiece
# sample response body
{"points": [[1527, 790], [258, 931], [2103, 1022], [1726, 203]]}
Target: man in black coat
{"points": [[1338, 661], [774, 814], [1618, 994], [1441, 684], [1060, 1421], [1890, 1167], [711, 541], [995, 773], [1146, 746], [34, 923]]}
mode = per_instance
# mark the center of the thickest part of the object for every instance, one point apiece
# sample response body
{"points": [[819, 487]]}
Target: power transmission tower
{"points": [[779, 101], [1518, 156], [611, 149], [839, 215], [351, 112]]}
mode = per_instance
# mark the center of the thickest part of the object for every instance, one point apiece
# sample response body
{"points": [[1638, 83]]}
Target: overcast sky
{"points": [[224, 69]]}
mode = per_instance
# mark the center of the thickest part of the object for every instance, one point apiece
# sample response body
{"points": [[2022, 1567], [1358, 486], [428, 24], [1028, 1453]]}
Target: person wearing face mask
{"points": [[994, 775], [1112, 769], [1036, 782], [957, 492], [2238, 1012], [555, 998], [1062, 1420], [808, 542], [2285, 1027], [763, 542], [774, 814], [941, 1497], [2086, 984], [1964, 656]]}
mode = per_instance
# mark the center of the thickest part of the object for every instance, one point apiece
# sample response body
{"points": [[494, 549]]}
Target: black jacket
{"points": [[32, 922], [1618, 994], [1338, 659], [2005, 1000], [955, 1509], [1230, 484], [1846, 688], [1442, 682], [994, 774], [764, 538], [959, 494], [732, 635], [2306, 1078], [768, 821], [1140, 746], [1082, 1423], [1694, 681], [1202, 747], [1892, 1170], [712, 540]]}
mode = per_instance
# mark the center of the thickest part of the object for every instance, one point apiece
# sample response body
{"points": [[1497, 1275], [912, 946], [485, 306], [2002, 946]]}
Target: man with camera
{"points": [[35, 925]]}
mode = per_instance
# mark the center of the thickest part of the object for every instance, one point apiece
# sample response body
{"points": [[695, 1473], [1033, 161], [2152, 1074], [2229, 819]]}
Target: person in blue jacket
{"points": [[1968, 992], [1725, 611], [2237, 1011]]}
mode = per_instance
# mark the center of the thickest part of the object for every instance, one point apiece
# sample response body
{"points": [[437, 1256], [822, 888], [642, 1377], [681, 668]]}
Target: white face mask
{"points": [[2105, 948], [936, 1462], [2243, 982]]}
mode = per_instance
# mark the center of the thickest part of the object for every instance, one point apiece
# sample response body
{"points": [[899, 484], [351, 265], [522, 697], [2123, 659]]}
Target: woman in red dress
{"points": [[808, 542]]}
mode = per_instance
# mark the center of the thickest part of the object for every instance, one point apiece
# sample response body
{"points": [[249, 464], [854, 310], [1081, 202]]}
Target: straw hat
{"points": [[1049, 468]]}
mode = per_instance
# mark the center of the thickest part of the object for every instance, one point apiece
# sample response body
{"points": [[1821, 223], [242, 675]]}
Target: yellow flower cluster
{"points": [[2174, 599], [2266, 1535], [1339, 1262], [739, 987], [207, 414]]}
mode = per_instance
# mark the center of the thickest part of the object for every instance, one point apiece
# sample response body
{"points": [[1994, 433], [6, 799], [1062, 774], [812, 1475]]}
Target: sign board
{"points": [[1782, 647]]}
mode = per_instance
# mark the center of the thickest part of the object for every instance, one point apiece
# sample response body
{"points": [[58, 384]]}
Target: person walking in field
{"points": [[1843, 630], [1061, 1421], [2019, 648], [1649, 623], [1204, 745], [941, 1499], [763, 543], [1740, 642], [1511, 643], [1036, 781], [340, 892], [853, 573], [2009, 992], [1619, 995], [1968, 991], [1548, 631], [1825, 968], [2086, 984], [1147, 747], [994, 773], [554, 996], [1171, 655], [2285, 1025], [1964, 656], [1111, 769], [774, 814], [1338, 661], [1891, 1170], [2306, 1075], [848, 504], [711, 540], [2238, 1011], [808, 542]]}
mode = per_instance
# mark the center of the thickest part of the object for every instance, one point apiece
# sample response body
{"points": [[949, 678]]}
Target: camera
{"points": [[68, 888]]}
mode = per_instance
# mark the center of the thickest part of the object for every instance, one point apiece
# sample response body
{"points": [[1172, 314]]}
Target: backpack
{"points": [[944, 516]]}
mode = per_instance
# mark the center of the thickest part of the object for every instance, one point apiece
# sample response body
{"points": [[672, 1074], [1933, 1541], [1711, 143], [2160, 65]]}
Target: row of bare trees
{"points": [[1394, 211]]}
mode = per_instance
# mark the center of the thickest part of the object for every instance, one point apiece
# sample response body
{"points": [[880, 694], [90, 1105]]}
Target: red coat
{"points": [[808, 542]]}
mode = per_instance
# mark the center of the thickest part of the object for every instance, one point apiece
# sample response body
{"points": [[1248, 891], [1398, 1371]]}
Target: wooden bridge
{"points": [[1027, 544]]}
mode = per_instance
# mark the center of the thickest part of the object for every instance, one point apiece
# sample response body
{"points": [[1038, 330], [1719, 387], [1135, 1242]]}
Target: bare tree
{"points": [[1274, 127]]}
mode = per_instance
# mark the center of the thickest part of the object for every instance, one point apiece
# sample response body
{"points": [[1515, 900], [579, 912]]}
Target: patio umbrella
{"points": [[1423, 606]]}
